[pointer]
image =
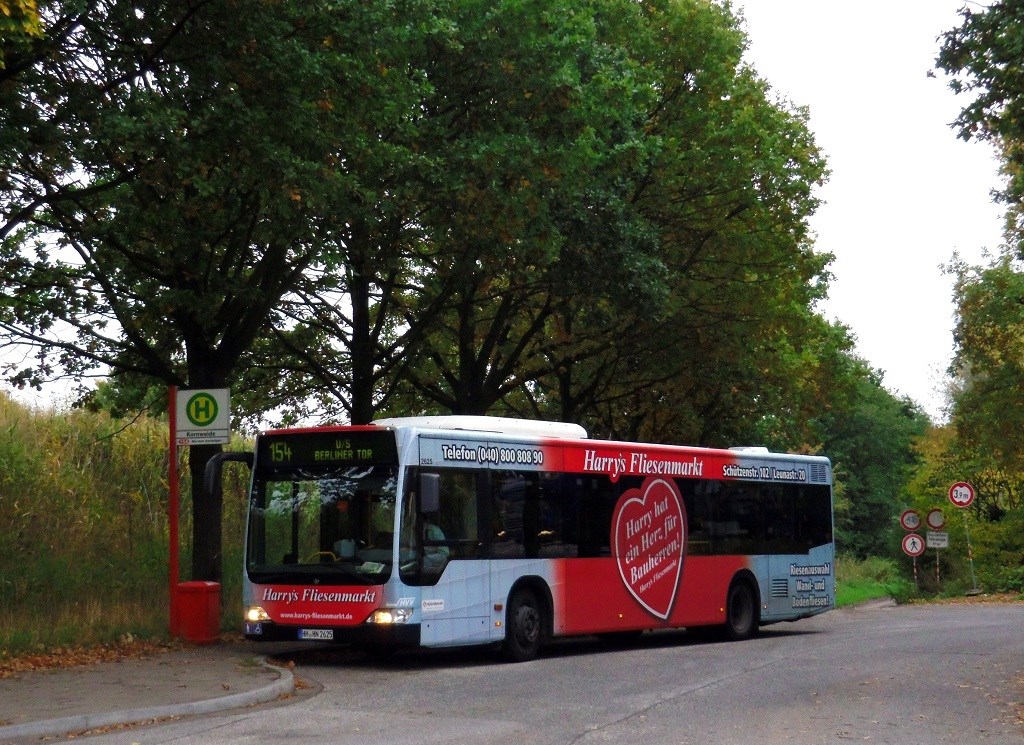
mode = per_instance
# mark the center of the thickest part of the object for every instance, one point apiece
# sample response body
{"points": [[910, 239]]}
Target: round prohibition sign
{"points": [[202, 409], [936, 520], [913, 545], [910, 520], [961, 494]]}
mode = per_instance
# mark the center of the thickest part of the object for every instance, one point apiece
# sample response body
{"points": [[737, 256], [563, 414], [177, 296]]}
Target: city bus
{"points": [[444, 531]]}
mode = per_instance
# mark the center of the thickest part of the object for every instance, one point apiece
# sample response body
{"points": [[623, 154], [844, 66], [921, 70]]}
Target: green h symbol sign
{"points": [[201, 409]]}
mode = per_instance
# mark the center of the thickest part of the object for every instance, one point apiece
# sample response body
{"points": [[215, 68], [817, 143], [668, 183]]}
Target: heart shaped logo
{"points": [[649, 541]]}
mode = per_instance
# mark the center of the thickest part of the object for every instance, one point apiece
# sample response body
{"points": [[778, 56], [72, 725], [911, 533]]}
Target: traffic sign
{"points": [[961, 494], [913, 545], [936, 520], [203, 416], [910, 520], [934, 539]]}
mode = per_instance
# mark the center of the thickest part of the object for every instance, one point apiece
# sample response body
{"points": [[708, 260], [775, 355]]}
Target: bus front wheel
{"points": [[524, 627], [741, 616]]}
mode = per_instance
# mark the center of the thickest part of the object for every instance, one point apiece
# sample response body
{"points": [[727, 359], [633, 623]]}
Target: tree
{"points": [[872, 444], [727, 196], [988, 377], [20, 29], [983, 58], [537, 119], [178, 171], [988, 403]]}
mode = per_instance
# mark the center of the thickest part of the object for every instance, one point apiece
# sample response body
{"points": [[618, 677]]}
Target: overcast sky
{"points": [[905, 193]]}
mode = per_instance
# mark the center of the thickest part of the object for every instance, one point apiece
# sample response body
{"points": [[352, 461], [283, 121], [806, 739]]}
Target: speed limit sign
{"points": [[961, 494]]}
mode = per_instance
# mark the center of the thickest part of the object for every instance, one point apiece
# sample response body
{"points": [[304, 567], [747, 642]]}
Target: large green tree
{"points": [[983, 58], [727, 195], [537, 115], [987, 392], [172, 171], [872, 443]]}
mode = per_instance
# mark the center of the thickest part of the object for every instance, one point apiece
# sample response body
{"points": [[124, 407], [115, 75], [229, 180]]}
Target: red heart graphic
{"points": [[649, 540]]}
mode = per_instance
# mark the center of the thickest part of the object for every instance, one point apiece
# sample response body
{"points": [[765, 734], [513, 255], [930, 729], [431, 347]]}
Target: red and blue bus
{"points": [[460, 530]]}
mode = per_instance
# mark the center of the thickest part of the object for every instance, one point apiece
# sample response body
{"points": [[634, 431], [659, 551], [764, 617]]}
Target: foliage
{"points": [[988, 398], [154, 211], [859, 580], [84, 546], [19, 29], [983, 57], [983, 443], [590, 210], [871, 442], [999, 562]]}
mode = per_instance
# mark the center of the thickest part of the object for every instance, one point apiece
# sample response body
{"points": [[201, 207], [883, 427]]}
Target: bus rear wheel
{"points": [[741, 616], [524, 627]]}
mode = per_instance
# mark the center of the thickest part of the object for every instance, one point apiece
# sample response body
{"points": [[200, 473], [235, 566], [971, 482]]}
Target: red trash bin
{"points": [[199, 611]]}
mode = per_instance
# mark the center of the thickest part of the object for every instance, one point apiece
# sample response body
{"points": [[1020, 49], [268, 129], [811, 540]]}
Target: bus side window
{"points": [[457, 516], [508, 498]]}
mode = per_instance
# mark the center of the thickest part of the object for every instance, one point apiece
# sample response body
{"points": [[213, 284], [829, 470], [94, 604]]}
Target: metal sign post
{"points": [[172, 510], [913, 547], [970, 560], [962, 494]]}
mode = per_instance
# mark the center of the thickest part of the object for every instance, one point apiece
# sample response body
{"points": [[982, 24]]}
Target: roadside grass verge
{"points": [[858, 581]]}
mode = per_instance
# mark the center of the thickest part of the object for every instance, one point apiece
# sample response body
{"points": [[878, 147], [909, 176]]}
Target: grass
{"points": [[84, 544], [858, 581]]}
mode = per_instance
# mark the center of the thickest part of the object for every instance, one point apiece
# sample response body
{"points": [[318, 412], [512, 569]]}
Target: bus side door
{"points": [[456, 609]]}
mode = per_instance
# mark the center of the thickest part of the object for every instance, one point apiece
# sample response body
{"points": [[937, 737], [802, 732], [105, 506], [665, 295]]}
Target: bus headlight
{"points": [[255, 614], [390, 615]]}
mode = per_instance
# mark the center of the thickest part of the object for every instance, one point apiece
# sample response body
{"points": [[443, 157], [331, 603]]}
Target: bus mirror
{"points": [[430, 492], [215, 466]]}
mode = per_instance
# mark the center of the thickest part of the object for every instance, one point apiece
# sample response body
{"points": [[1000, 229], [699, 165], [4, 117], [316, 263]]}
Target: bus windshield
{"points": [[326, 526]]}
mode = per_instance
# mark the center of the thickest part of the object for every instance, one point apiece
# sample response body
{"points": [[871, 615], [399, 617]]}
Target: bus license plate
{"points": [[322, 634]]}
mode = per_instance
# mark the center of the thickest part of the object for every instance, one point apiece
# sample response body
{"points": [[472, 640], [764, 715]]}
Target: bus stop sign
{"points": [[203, 416]]}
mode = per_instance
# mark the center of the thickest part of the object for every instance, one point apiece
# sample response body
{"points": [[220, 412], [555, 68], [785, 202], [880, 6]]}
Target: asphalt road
{"points": [[913, 675]]}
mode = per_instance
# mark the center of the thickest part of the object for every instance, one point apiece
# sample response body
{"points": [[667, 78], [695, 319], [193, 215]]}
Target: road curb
{"points": [[283, 686]]}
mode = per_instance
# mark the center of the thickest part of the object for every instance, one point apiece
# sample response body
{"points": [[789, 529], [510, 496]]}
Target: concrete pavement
{"points": [[182, 681]]}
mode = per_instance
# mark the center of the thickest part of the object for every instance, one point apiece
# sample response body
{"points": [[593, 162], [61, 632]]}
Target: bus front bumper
{"points": [[367, 634]]}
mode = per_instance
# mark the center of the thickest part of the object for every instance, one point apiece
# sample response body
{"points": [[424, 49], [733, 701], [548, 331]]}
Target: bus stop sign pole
{"points": [[172, 509]]}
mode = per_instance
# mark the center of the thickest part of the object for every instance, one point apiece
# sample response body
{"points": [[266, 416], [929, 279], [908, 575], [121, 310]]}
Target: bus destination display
{"points": [[334, 448]]}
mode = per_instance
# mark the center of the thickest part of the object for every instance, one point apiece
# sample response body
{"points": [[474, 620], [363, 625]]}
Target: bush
{"points": [[84, 547], [858, 580]]}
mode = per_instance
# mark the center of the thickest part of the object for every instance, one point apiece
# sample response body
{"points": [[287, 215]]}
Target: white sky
{"points": [[905, 193]]}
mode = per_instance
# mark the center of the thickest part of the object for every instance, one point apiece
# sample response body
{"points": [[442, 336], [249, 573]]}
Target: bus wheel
{"points": [[524, 627], [740, 612]]}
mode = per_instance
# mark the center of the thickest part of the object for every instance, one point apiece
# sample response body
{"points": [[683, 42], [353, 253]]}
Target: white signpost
{"points": [[204, 416], [962, 495], [935, 539]]}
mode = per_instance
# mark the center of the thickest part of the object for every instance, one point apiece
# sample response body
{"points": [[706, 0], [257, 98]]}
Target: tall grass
{"points": [[84, 529]]}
